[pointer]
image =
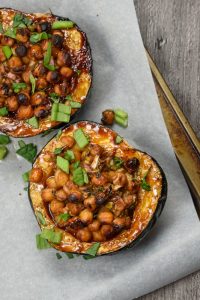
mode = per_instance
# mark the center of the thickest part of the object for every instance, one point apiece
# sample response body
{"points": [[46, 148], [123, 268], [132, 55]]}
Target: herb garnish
{"points": [[40, 218], [28, 151], [64, 217], [41, 242], [145, 186]]}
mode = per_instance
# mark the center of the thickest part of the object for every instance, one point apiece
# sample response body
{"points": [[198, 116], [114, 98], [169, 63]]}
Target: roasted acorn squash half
{"points": [[45, 71], [88, 185]]}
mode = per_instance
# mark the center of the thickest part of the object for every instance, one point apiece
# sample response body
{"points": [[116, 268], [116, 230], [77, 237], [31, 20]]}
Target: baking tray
{"points": [[185, 143]]}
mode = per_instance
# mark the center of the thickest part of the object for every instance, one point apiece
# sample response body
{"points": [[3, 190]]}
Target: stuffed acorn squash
{"points": [[45, 71], [88, 186]]}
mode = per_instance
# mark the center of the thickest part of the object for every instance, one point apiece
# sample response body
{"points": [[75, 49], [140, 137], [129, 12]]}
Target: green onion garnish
{"points": [[3, 152], [58, 134], [46, 132], [51, 235], [7, 51], [61, 117], [78, 176], [121, 122], [69, 97], [69, 155], [21, 143], [25, 176], [80, 138], [4, 139], [54, 111], [37, 37], [47, 58], [85, 177], [118, 162], [41, 242], [74, 104], [69, 255], [54, 97], [63, 164], [78, 72], [76, 164], [58, 255], [33, 122], [93, 249], [121, 117], [64, 217], [62, 24], [145, 186], [3, 111], [66, 109], [118, 139], [21, 21], [33, 82], [28, 152], [60, 112], [11, 33], [58, 151], [18, 86], [40, 218]]}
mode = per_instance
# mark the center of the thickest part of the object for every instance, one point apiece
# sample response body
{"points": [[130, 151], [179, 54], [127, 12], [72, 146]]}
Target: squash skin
{"points": [[19, 128], [129, 242]]}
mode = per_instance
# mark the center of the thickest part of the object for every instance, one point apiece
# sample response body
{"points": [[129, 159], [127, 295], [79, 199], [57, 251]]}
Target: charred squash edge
{"points": [[159, 208], [37, 132]]}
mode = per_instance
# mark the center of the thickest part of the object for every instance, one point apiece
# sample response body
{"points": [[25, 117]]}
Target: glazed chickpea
{"points": [[67, 141], [43, 26], [84, 235], [74, 209], [86, 216], [39, 70], [26, 76], [51, 183], [63, 58], [15, 62], [7, 41], [66, 72], [2, 56], [24, 112], [36, 175], [23, 98], [61, 89], [99, 180], [75, 196], [108, 117], [41, 83], [12, 103], [98, 236], [47, 195], [106, 230], [94, 226], [105, 217], [57, 40], [61, 178], [21, 50], [90, 203], [22, 35], [41, 111], [52, 76], [38, 98], [61, 195], [35, 51], [54, 52], [56, 206], [26, 60], [48, 157]]}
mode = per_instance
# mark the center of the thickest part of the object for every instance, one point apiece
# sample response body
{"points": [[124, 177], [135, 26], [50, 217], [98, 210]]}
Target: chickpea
{"points": [[121, 222], [107, 230], [4, 89], [61, 89], [105, 217], [7, 41], [41, 111], [41, 83], [38, 98], [15, 62], [67, 141], [25, 60], [21, 50], [57, 40], [61, 195], [56, 206], [63, 58], [90, 203], [86, 216], [43, 26], [22, 35], [61, 178], [2, 101], [54, 52], [2, 56], [52, 76], [26, 76], [74, 209], [66, 72], [24, 112], [39, 70], [98, 236], [35, 51], [23, 98], [99, 180], [36, 175], [108, 117], [75, 196], [94, 226], [48, 195], [12, 103], [84, 235], [51, 183]]}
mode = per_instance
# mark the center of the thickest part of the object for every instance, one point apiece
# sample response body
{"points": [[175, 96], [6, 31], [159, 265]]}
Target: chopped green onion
{"points": [[80, 138], [1, 28], [3, 152], [61, 117], [10, 33], [4, 139], [18, 86], [78, 72], [121, 113], [47, 58], [37, 37], [87, 256], [78, 176], [40, 218], [63, 164], [58, 151], [62, 24], [58, 255], [118, 162], [3, 111], [21, 21], [33, 82], [33, 122], [51, 235], [41, 242], [28, 152], [64, 217], [93, 249], [121, 122], [58, 134], [145, 186], [46, 132], [85, 177], [76, 164], [118, 139], [69, 97], [54, 111], [7, 51], [66, 109], [54, 97], [25, 176], [21, 143], [69, 155], [75, 104], [69, 255]]}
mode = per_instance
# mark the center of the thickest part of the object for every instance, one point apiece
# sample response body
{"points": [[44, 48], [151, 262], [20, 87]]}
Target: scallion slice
{"points": [[4, 139], [69, 155], [3, 111], [10, 33], [58, 255], [62, 24], [37, 37], [118, 139], [41, 242], [17, 86], [78, 176], [80, 138], [75, 104], [51, 235], [121, 122], [28, 152], [40, 218], [25, 176], [93, 249], [33, 122], [64, 217], [33, 83], [7, 51], [69, 255], [62, 117], [63, 164], [3, 152]]}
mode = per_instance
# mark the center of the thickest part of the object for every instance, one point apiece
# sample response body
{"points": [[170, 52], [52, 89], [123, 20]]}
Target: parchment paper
{"points": [[121, 79]]}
